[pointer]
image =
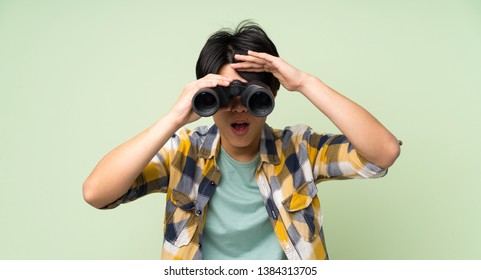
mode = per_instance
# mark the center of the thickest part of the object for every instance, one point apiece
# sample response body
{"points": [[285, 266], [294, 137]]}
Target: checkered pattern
{"points": [[292, 162]]}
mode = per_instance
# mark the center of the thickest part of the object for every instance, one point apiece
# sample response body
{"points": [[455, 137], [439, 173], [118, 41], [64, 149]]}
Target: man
{"points": [[241, 189]]}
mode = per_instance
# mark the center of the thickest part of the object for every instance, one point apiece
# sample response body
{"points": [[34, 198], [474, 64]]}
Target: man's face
{"points": [[240, 131]]}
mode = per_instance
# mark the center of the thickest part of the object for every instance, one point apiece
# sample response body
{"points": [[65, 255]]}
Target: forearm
{"points": [[116, 172], [368, 136]]}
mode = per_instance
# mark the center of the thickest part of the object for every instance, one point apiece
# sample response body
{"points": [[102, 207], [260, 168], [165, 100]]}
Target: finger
{"points": [[263, 56], [247, 65], [248, 58], [253, 67], [217, 77], [254, 70], [213, 80], [209, 83]]}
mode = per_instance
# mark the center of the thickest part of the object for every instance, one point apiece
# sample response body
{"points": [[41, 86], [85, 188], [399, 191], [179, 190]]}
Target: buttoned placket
{"points": [[210, 180], [272, 209]]}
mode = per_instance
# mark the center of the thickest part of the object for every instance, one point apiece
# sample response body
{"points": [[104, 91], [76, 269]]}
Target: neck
{"points": [[241, 154]]}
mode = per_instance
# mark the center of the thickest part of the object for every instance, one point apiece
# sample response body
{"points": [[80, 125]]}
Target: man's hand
{"points": [[369, 137], [182, 111], [290, 77]]}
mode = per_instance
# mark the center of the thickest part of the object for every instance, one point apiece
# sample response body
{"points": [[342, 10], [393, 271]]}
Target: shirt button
{"points": [[198, 212]]}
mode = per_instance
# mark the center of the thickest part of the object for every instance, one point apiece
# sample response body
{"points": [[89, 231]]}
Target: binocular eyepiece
{"points": [[256, 96]]}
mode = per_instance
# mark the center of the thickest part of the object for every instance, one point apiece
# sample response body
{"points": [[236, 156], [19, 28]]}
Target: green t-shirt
{"points": [[237, 225]]}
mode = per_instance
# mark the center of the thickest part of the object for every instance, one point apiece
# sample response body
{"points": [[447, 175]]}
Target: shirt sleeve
{"points": [[155, 176], [334, 157]]}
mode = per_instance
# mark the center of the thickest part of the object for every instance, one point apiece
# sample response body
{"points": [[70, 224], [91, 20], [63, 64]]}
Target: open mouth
{"points": [[240, 128]]}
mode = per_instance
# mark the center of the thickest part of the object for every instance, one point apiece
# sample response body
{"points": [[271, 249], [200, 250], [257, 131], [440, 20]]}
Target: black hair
{"points": [[221, 47]]}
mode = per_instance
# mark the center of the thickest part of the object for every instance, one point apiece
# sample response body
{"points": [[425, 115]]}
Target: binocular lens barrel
{"points": [[205, 102], [258, 100], [259, 103]]}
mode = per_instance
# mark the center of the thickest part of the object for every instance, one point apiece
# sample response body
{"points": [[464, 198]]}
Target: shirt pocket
{"points": [[181, 221], [304, 210]]}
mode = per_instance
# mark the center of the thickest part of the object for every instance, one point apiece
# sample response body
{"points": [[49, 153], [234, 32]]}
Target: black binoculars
{"points": [[255, 95]]}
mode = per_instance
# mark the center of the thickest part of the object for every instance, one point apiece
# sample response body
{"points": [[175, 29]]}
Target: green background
{"points": [[77, 78]]}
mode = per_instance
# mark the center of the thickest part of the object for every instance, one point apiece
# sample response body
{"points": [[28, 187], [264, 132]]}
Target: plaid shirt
{"points": [[292, 162]]}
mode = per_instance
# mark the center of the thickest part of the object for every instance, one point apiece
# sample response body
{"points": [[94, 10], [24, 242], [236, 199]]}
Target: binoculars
{"points": [[255, 95]]}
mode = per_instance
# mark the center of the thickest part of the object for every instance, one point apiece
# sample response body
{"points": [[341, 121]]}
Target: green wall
{"points": [[77, 78]]}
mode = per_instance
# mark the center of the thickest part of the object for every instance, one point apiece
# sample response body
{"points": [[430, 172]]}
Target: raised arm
{"points": [[116, 171], [368, 136]]}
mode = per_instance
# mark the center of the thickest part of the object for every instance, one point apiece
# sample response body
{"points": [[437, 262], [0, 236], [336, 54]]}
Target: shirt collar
{"points": [[268, 153], [267, 147], [211, 145]]}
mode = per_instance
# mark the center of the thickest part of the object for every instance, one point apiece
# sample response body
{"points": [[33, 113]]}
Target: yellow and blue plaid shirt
{"points": [[292, 162]]}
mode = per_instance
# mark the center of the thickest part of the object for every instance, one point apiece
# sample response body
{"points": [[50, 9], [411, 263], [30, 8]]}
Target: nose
{"points": [[235, 105]]}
